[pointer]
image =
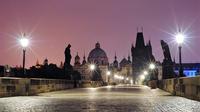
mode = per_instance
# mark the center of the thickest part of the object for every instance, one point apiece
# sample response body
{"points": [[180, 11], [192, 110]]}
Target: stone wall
{"points": [[26, 86], [10, 86], [188, 87], [86, 84]]}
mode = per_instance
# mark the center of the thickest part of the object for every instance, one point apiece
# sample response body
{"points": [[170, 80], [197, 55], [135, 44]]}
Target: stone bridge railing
{"points": [[188, 87], [10, 86]]}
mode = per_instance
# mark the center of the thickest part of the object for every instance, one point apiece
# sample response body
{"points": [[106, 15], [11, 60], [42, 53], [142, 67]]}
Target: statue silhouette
{"points": [[166, 52], [167, 65], [68, 55], [68, 70]]}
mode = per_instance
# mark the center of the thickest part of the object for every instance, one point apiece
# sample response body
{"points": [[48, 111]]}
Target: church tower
{"points": [[141, 56], [77, 60], [46, 62], [115, 63], [84, 60]]}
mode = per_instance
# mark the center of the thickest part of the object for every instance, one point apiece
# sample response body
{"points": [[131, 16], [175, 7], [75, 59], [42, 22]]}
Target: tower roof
{"points": [[140, 40], [77, 56], [84, 60]]}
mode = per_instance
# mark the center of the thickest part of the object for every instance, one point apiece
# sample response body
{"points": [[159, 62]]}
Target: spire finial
{"points": [[129, 58], [97, 44], [84, 55], [115, 56]]}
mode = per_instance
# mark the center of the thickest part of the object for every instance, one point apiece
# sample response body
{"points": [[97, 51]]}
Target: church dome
{"points": [[98, 56]]}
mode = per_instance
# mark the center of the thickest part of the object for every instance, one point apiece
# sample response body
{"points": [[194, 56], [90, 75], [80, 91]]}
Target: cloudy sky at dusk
{"points": [[52, 24]]}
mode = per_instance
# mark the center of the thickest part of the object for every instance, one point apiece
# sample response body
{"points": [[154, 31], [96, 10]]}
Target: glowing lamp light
{"points": [[92, 67], [131, 81], [180, 38], [152, 66], [116, 76], [142, 77], [108, 73], [24, 42], [145, 73]]}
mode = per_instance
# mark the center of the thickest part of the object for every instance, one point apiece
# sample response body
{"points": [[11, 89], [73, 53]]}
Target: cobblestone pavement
{"points": [[105, 99]]}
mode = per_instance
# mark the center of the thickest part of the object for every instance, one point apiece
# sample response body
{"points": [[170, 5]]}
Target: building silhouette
{"points": [[141, 56]]}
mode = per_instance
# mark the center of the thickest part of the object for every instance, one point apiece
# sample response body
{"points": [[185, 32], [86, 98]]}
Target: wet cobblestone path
{"points": [[105, 99]]}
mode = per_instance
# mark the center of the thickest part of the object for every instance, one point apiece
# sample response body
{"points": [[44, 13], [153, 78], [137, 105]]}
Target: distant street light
{"points": [[92, 67], [180, 39], [108, 73], [152, 66], [142, 77], [24, 43], [145, 72]]}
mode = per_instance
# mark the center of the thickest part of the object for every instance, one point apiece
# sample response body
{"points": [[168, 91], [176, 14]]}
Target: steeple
{"points": [[37, 64], [45, 62], [77, 60], [115, 56], [150, 48], [97, 45], [149, 43], [61, 64], [129, 58], [139, 40], [84, 60], [115, 63]]}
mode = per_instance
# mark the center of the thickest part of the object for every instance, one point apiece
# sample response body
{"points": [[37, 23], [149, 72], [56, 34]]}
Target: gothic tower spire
{"points": [[84, 59], [139, 40]]}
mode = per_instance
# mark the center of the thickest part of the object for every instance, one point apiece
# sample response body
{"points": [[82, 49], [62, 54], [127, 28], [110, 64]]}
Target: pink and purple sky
{"points": [[52, 24]]}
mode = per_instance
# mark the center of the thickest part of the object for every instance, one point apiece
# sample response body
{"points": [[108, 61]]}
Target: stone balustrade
{"points": [[188, 87], [30, 86], [11, 86]]}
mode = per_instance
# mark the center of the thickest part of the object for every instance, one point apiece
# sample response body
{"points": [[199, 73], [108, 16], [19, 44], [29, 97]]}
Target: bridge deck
{"points": [[105, 99]]}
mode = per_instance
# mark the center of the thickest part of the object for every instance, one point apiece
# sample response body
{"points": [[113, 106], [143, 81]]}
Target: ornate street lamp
{"points": [[24, 43], [180, 39]]}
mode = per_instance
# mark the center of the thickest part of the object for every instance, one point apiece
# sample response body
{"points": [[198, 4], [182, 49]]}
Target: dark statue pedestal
{"points": [[68, 71]]}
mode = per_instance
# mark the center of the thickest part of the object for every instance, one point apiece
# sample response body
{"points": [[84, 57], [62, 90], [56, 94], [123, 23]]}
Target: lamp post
{"points": [[152, 66], [108, 73], [92, 68], [180, 40], [24, 43]]}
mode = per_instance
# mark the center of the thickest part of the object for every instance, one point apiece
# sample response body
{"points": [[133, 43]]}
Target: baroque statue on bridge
{"points": [[167, 64], [68, 55], [68, 70]]}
